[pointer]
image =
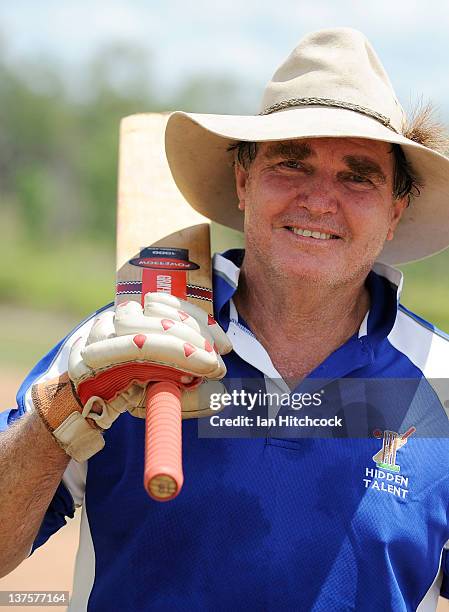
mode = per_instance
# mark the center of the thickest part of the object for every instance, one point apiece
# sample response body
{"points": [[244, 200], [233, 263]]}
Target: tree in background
{"points": [[58, 153]]}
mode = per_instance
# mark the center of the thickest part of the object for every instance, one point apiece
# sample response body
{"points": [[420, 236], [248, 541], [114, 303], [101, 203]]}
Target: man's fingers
{"points": [[220, 370], [102, 328], [77, 368], [159, 304], [203, 400], [165, 350], [165, 326]]}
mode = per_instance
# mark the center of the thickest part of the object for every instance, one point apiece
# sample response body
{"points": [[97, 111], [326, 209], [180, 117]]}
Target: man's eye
{"points": [[291, 163], [357, 178]]}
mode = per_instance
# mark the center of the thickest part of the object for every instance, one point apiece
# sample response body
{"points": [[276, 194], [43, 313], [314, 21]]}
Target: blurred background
{"points": [[69, 70]]}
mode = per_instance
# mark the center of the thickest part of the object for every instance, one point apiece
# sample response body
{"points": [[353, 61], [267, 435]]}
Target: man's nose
{"points": [[319, 196]]}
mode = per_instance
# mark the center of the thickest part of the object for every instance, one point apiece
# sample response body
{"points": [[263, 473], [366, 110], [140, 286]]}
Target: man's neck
{"points": [[301, 323]]}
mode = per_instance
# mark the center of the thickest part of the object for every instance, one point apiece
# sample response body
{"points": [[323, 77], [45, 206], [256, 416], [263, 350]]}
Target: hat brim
{"points": [[202, 167]]}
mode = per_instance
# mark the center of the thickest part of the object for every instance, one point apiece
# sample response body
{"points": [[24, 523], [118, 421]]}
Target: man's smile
{"points": [[312, 233]]}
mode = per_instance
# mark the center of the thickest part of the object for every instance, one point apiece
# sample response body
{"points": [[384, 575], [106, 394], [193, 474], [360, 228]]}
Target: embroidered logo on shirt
{"points": [[387, 478], [391, 443]]}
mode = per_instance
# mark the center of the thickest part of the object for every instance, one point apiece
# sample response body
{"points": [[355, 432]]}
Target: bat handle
{"points": [[163, 477], [408, 433]]}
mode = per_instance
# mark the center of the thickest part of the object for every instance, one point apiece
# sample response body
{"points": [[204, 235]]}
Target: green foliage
{"points": [[72, 277], [426, 290], [58, 153]]}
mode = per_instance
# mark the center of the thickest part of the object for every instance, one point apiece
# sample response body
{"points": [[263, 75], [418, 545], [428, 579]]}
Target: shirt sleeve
{"points": [[61, 506], [444, 591], [70, 492]]}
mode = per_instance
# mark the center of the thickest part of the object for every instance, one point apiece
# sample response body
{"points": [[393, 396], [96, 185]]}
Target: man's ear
{"points": [[396, 213], [241, 183]]}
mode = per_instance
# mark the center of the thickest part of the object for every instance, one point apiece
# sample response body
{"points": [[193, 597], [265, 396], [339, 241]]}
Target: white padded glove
{"points": [[169, 340], [169, 331]]}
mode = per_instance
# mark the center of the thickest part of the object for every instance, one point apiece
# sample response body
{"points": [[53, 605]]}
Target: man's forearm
{"points": [[31, 468]]}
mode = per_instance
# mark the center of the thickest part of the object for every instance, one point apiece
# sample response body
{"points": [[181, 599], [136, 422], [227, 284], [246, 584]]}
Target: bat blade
{"points": [[162, 245], [151, 211], [179, 264]]}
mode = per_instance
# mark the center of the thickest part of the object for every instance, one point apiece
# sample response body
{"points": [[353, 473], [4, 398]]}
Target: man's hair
{"points": [[421, 127], [405, 181]]}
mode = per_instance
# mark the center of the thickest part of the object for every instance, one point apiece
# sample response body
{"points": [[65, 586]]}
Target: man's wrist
{"points": [[59, 409], [48, 442]]}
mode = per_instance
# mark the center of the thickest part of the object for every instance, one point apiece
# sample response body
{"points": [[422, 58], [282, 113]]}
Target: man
{"points": [[352, 516]]}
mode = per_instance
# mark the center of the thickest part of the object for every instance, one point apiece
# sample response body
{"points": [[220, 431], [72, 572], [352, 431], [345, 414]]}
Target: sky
{"points": [[245, 39]]}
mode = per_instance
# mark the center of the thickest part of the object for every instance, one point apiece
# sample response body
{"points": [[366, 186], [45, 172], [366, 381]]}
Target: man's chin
{"points": [[316, 273], [314, 276]]}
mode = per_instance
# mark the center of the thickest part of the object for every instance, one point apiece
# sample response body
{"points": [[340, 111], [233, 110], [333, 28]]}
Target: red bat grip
{"points": [[163, 477]]}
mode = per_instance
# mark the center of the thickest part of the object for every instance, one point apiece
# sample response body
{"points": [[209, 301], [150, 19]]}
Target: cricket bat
{"points": [[163, 244]]}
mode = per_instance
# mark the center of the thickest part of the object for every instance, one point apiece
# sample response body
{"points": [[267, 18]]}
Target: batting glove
{"points": [[170, 339]]}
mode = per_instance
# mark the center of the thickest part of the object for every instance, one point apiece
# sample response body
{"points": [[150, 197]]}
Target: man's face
{"points": [[338, 188]]}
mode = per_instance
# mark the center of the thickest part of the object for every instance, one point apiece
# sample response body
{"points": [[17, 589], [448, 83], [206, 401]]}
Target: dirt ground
{"points": [[51, 566]]}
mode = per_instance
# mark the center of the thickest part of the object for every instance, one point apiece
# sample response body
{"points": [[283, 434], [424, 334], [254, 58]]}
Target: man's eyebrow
{"points": [[365, 166], [291, 149]]}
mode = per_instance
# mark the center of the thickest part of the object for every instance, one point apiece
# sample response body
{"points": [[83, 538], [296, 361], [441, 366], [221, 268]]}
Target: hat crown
{"points": [[335, 67]]}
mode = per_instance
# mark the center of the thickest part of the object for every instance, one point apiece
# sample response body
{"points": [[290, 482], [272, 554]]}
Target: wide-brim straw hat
{"points": [[331, 85]]}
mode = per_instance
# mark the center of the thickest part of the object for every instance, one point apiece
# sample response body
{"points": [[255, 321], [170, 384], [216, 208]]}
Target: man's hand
{"points": [[169, 331], [109, 371]]}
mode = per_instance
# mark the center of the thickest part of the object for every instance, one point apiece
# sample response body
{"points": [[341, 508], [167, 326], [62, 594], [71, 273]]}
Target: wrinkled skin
{"points": [[339, 186]]}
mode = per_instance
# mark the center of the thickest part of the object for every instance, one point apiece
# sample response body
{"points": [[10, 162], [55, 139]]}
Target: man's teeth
{"points": [[308, 233]]}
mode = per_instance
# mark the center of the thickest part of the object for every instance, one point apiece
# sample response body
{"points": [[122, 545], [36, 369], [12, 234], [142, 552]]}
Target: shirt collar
{"points": [[392, 275], [226, 272], [385, 286], [384, 283]]}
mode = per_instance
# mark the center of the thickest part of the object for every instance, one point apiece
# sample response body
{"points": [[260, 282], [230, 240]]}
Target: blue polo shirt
{"points": [[351, 517]]}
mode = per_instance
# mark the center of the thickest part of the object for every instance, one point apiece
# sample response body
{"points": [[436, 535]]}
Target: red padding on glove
{"points": [[109, 383]]}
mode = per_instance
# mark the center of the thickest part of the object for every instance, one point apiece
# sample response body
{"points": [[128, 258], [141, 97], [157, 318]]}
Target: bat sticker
{"points": [[164, 259]]}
